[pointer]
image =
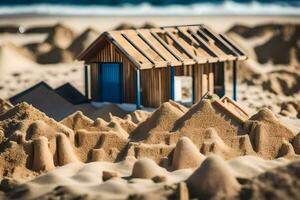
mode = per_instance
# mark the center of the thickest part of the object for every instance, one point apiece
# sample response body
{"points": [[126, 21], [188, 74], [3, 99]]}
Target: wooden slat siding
{"points": [[205, 79], [94, 82], [155, 85], [211, 77], [185, 70], [198, 73], [111, 54], [165, 84]]}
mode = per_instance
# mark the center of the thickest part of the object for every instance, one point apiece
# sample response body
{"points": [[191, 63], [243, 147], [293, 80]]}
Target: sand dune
{"points": [[82, 41]]}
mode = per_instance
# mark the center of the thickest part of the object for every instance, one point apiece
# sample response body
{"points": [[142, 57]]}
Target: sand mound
{"points": [[283, 82], [60, 35], [280, 183], [55, 55], [275, 43], [267, 134], [290, 109], [186, 155], [14, 59], [146, 168], [22, 115], [31, 143], [214, 144], [211, 113], [32, 135], [213, 179], [162, 119], [82, 41], [77, 121], [4, 106]]}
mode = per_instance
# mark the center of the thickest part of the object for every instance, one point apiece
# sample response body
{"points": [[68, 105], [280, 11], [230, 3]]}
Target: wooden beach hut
{"points": [[150, 66]]}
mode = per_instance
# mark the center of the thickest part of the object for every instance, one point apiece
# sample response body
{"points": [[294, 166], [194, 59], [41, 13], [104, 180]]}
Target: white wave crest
{"points": [[227, 8]]}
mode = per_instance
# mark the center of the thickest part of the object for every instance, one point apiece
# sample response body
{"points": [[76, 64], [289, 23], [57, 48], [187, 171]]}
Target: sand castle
{"points": [[173, 136], [172, 148]]}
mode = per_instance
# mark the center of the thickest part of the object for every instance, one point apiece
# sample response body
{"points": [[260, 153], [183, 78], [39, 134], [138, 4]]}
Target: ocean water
{"points": [[150, 7]]}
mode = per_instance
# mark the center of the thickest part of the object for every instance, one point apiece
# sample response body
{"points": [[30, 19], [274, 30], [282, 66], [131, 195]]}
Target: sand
{"points": [[151, 155], [45, 144]]}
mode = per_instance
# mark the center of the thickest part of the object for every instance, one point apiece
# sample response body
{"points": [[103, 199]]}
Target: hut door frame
{"points": [[102, 84]]}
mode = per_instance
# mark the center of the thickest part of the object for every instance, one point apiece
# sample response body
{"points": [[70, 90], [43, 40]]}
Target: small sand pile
{"points": [[267, 134], [161, 120], [4, 106], [146, 168], [213, 180], [206, 114], [28, 141], [186, 155], [54, 49], [14, 59], [283, 82], [60, 36], [275, 43], [290, 109], [82, 41], [77, 121], [55, 55]]}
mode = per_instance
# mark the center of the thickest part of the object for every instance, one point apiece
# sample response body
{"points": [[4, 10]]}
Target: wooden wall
{"points": [[155, 86], [155, 82], [110, 53]]}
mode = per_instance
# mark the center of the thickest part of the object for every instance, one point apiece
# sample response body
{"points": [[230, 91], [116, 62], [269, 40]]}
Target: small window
{"points": [[183, 89]]}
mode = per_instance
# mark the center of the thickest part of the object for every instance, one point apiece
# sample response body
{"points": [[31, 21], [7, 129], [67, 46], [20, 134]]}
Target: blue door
{"points": [[111, 82]]}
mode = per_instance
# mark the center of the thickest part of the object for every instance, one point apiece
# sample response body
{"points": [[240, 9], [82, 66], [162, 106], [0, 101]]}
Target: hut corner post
{"points": [[234, 81], [172, 78], [86, 81], [138, 89]]}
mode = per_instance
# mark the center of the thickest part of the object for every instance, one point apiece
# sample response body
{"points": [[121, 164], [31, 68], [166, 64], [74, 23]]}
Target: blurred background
{"points": [[40, 39]]}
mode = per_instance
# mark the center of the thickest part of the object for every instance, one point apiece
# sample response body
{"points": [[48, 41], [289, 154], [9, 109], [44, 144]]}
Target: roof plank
{"points": [[220, 41], [166, 46], [191, 55], [151, 45]]}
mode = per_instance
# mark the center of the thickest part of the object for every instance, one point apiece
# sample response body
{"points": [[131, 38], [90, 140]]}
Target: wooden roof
{"points": [[169, 46]]}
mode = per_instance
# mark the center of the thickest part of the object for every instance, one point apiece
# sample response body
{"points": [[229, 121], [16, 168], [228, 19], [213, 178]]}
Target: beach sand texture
{"points": [[208, 151]]}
